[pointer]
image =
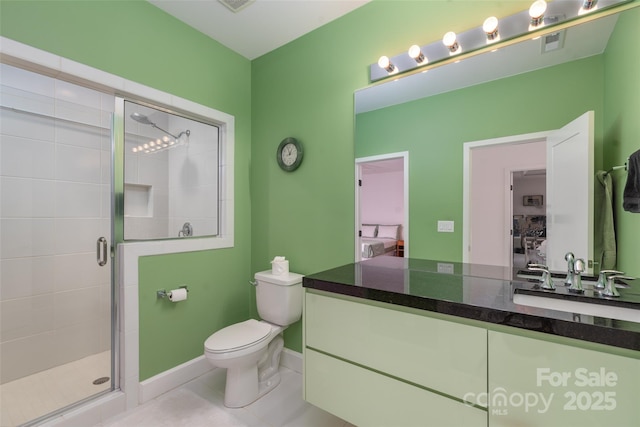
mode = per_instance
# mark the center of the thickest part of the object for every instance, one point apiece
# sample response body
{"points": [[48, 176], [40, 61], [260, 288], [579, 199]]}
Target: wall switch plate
{"points": [[445, 226], [445, 267]]}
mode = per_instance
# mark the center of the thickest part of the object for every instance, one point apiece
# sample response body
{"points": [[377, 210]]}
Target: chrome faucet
{"points": [[546, 281], [570, 258], [602, 278], [610, 290], [576, 282]]}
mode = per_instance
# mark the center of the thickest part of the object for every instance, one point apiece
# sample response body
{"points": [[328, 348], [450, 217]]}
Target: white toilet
{"points": [[250, 350]]}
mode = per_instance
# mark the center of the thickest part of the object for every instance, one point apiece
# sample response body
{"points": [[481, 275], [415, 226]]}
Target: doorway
{"points": [[382, 206], [567, 156], [529, 230]]}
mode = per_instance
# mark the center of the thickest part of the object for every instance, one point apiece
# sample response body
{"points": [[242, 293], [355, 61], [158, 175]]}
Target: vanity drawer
{"points": [[448, 357], [366, 398]]}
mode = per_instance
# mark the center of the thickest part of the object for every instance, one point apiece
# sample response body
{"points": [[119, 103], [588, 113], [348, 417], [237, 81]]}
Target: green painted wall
{"points": [[434, 129], [305, 90], [138, 41], [622, 128]]}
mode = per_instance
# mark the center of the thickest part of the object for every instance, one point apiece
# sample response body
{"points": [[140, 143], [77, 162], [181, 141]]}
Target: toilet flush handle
{"points": [[253, 282]]}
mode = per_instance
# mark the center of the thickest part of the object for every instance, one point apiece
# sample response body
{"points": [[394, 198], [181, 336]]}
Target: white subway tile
{"points": [[25, 125], [26, 198], [78, 271], [79, 135], [27, 80], [24, 356], [25, 317], [77, 200], [23, 277], [78, 235], [77, 164], [23, 157], [26, 237], [82, 96]]}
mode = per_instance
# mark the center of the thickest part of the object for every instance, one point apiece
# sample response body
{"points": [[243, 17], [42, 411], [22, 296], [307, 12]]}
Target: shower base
{"points": [[36, 395]]}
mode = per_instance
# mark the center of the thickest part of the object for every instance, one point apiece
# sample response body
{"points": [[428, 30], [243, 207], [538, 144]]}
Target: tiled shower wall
{"points": [[55, 153]]}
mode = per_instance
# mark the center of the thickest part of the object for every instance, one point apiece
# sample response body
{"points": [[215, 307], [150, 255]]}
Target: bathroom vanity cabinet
{"points": [[380, 349], [375, 366]]}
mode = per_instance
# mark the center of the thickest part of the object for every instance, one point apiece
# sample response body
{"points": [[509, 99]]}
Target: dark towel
{"points": [[631, 195]]}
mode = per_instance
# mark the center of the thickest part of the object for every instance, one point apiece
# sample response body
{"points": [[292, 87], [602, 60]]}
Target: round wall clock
{"points": [[289, 154]]}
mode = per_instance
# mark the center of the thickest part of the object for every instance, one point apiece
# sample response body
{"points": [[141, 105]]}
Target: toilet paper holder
{"points": [[162, 293]]}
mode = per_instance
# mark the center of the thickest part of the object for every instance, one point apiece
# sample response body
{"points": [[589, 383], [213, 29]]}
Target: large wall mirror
{"points": [[525, 88], [171, 175]]}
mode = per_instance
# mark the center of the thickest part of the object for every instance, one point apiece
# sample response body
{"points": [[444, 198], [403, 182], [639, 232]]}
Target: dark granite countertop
{"points": [[478, 292]]}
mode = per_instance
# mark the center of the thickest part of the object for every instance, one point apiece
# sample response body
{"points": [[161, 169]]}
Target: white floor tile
{"points": [[200, 403]]}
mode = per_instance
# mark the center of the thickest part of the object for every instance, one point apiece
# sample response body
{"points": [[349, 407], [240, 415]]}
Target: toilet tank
{"points": [[279, 297]]}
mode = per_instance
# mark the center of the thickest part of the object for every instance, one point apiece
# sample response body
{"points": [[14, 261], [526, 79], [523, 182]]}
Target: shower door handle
{"points": [[101, 251]]}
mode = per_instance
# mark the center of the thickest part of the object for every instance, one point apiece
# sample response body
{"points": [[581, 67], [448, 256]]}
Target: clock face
{"points": [[289, 154]]}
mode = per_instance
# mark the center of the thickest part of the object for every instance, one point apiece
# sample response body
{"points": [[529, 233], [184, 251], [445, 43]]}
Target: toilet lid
{"points": [[240, 335]]}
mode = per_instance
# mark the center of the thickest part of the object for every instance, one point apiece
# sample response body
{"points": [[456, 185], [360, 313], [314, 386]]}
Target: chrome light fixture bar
{"points": [[510, 27]]}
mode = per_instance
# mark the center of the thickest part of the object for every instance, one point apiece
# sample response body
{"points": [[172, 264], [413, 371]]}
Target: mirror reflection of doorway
{"points": [[382, 206], [529, 217]]}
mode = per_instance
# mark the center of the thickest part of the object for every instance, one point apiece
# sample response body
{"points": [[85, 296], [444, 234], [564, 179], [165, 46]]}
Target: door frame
{"points": [[360, 161], [466, 177]]}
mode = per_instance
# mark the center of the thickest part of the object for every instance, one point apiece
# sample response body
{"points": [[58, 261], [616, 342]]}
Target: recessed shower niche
{"points": [[171, 174]]}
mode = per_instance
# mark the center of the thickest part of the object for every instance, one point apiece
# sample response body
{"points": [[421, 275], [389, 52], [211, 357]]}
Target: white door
{"points": [[570, 192]]}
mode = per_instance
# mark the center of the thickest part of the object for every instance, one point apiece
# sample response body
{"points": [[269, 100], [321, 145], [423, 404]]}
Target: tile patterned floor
{"points": [[200, 403], [36, 395]]}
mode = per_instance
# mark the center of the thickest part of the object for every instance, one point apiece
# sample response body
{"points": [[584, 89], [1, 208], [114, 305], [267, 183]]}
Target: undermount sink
{"points": [[546, 301]]}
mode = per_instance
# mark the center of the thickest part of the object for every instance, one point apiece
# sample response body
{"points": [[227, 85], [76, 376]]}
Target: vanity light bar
{"points": [[553, 13]]}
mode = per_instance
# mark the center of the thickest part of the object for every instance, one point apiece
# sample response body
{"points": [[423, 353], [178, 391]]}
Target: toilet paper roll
{"points": [[178, 295]]}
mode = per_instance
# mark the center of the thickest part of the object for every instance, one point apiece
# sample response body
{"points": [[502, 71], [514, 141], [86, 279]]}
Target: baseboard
{"points": [[172, 378], [291, 359]]}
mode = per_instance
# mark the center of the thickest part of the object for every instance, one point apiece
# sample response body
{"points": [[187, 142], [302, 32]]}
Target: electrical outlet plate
{"points": [[445, 226], [445, 267]]}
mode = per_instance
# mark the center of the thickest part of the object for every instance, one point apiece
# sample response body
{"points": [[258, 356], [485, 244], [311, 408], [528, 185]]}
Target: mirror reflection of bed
{"points": [[381, 208]]}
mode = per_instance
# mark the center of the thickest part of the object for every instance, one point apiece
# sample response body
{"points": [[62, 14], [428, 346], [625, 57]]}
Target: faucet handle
{"points": [[611, 290], [602, 278], [546, 281]]}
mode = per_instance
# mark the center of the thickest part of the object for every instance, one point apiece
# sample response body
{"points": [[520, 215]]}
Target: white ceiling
{"points": [[259, 27]]}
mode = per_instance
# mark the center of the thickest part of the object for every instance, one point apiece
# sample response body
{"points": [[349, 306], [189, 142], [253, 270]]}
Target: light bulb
{"points": [[588, 6], [145, 146], [416, 54], [490, 27], [151, 143], [536, 11], [134, 149], [450, 41], [385, 63]]}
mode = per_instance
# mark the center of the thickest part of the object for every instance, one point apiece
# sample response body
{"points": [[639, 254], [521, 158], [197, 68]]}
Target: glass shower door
{"points": [[55, 233]]}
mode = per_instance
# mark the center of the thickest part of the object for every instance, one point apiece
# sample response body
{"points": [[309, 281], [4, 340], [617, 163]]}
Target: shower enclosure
{"points": [[56, 270]]}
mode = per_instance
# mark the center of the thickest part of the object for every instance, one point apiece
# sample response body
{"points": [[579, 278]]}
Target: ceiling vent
{"points": [[553, 41], [236, 5]]}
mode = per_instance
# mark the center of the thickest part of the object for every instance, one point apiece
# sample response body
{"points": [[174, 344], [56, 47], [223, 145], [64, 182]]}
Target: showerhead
{"points": [[141, 118]]}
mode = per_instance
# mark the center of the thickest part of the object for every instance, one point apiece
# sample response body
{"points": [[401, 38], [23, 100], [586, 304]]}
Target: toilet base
{"points": [[246, 385]]}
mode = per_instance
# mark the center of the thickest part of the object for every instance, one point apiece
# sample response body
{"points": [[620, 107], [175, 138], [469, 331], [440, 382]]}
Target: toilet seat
{"points": [[238, 336]]}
